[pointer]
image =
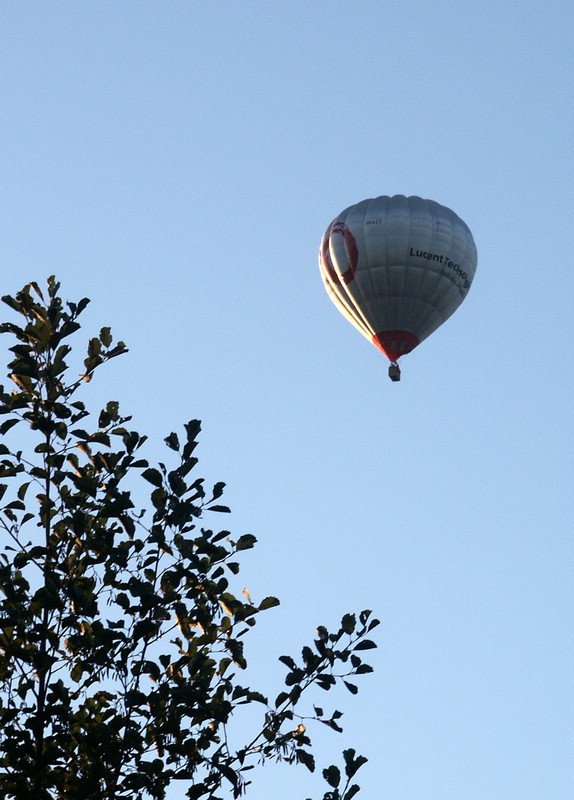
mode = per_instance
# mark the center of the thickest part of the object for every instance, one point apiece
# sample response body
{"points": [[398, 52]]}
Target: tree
{"points": [[121, 636]]}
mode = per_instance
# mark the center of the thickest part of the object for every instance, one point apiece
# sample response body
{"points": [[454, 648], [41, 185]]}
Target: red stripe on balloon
{"points": [[351, 249], [395, 344]]}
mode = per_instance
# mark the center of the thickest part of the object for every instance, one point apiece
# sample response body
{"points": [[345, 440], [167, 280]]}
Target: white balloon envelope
{"points": [[397, 268]]}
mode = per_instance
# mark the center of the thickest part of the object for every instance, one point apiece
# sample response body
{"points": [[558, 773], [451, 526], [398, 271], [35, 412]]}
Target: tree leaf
{"points": [[268, 602], [154, 476], [306, 758], [7, 424], [352, 763], [245, 542], [365, 644], [172, 441], [332, 775], [348, 623]]}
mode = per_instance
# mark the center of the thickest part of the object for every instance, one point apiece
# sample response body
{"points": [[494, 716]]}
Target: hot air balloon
{"points": [[397, 268]]}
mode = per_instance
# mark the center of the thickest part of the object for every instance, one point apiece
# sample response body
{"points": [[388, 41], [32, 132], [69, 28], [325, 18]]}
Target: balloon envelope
{"points": [[397, 268]]}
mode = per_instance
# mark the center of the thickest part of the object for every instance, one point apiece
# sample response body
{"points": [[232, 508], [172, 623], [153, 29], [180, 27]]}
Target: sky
{"points": [[177, 162]]}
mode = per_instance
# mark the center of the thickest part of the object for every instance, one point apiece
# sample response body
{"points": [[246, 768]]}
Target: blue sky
{"points": [[178, 162]]}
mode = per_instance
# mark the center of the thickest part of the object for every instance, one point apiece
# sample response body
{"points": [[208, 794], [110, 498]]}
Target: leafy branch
{"points": [[121, 630]]}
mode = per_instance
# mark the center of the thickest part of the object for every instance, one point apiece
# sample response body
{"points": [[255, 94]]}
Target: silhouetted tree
{"points": [[121, 636]]}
